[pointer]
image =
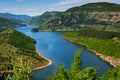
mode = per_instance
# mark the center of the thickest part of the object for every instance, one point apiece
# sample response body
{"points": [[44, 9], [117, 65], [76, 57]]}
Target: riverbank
{"points": [[41, 67], [109, 59], [37, 68]]}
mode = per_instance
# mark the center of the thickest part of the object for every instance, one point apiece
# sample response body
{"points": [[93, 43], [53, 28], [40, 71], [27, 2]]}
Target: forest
{"points": [[107, 43], [13, 45]]}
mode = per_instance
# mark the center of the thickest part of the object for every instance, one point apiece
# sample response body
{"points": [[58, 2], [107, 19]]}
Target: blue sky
{"points": [[38, 7]]}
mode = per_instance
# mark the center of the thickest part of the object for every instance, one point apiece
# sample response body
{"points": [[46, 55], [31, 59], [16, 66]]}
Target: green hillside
{"points": [[13, 45], [47, 16], [100, 16], [19, 18], [100, 7], [6, 23], [107, 43]]}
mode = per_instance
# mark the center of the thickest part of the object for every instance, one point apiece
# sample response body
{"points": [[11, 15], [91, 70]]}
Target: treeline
{"points": [[103, 43], [98, 34]]}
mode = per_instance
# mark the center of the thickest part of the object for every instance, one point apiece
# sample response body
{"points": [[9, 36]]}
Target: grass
{"points": [[13, 45]]}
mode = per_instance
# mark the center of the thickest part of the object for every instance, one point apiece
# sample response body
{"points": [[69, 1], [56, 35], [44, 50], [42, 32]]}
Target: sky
{"points": [[38, 7]]}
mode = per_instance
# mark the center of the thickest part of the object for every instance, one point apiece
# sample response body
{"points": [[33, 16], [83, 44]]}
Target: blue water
{"points": [[52, 46]]}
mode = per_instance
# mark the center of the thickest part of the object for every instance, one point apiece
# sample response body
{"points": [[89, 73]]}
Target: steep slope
{"points": [[8, 23], [98, 14], [20, 18], [99, 7], [13, 45], [47, 16]]}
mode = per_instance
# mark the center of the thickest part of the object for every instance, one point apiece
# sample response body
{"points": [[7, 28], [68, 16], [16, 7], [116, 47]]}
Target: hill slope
{"points": [[92, 14], [14, 44], [20, 18], [47, 16], [99, 7], [8, 23]]}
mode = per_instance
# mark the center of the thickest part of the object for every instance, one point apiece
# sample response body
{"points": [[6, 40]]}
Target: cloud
{"points": [[67, 2], [80, 2], [62, 5], [27, 11]]}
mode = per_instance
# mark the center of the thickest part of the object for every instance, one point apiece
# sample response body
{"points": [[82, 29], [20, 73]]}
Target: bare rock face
{"points": [[108, 17], [110, 59], [70, 19]]}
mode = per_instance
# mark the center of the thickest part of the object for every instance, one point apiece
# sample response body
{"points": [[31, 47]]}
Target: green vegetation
{"points": [[21, 70], [6, 23], [89, 73], [35, 30], [74, 72], [100, 7], [13, 45], [39, 20], [112, 74], [18, 18], [99, 16], [106, 43]]}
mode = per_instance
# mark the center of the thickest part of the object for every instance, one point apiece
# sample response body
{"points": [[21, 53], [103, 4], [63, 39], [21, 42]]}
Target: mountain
{"points": [[8, 23], [42, 19], [98, 7], [21, 18], [90, 15]]}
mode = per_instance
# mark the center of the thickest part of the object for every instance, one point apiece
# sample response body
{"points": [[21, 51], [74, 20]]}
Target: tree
{"points": [[21, 70], [76, 65], [74, 73], [112, 74]]}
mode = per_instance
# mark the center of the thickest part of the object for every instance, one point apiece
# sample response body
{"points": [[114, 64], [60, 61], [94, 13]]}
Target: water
{"points": [[52, 46]]}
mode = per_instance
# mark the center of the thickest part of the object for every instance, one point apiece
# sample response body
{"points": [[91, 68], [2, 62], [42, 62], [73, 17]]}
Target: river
{"points": [[52, 46]]}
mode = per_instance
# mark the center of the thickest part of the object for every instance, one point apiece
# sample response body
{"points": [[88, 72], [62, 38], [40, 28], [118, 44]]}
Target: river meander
{"points": [[52, 46]]}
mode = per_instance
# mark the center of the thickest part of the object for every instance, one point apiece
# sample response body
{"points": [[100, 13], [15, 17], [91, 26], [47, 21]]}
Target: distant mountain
{"points": [[44, 18], [92, 13], [100, 14], [8, 23], [20, 18]]}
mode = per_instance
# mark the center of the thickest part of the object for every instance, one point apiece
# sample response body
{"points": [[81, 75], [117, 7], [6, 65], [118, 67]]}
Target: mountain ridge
{"points": [[20, 18], [6, 23], [99, 14]]}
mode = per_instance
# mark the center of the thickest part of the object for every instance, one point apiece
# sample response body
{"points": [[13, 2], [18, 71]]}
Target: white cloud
{"points": [[60, 6], [28, 11], [80, 2], [67, 2]]}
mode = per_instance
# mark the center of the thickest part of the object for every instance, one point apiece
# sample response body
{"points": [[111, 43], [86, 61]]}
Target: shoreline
{"points": [[109, 59], [44, 66], [37, 68]]}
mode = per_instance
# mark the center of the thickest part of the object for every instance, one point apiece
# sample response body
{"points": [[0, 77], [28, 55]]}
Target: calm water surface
{"points": [[52, 46]]}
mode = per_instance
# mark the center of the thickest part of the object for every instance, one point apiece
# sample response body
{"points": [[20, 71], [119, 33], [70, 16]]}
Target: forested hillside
{"points": [[101, 16], [99, 7], [106, 43], [13, 45], [19, 18], [42, 19], [6, 23]]}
